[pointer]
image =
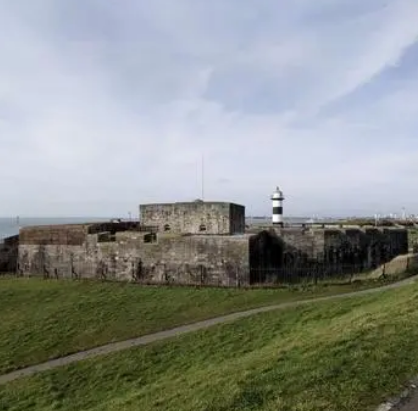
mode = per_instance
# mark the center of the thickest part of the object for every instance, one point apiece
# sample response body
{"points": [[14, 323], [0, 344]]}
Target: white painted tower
{"points": [[277, 200]]}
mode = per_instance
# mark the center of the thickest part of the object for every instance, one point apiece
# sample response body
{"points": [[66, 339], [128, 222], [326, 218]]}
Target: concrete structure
{"points": [[9, 249], [197, 243], [292, 253], [140, 256], [277, 202], [157, 257], [198, 217]]}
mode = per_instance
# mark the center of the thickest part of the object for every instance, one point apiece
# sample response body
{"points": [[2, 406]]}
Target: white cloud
{"points": [[103, 106]]}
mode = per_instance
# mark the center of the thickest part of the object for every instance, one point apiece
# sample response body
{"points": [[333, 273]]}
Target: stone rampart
{"points": [[9, 254], [66, 234], [290, 253], [80, 251], [134, 256]]}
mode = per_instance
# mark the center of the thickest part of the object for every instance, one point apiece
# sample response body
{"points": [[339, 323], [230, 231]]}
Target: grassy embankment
{"points": [[40, 320], [345, 355]]}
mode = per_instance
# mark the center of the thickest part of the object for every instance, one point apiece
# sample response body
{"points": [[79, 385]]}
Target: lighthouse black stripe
{"points": [[277, 210]]}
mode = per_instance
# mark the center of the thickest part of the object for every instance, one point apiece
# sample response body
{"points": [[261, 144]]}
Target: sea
{"points": [[11, 226]]}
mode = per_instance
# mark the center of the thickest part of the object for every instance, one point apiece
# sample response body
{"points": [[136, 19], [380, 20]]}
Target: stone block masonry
{"points": [[9, 249], [206, 260], [213, 218], [291, 253], [69, 234], [131, 253]]}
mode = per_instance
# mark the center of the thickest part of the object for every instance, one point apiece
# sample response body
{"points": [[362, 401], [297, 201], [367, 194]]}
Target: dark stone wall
{"points": [[366, 248], [114, 227], [8, 254], [68, 234], [206, 260], [303, 242], [284, 255], [267, 251], [270, 256], [74, 234], [399, 240], [195, 217], [237, 218]]}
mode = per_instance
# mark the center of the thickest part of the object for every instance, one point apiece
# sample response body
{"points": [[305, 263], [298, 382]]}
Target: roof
{"points": [[190, 203]]}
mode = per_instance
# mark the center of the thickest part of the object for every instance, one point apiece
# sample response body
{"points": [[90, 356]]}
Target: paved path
{"points": [[411, 405], [148, 339], [408, 403]]}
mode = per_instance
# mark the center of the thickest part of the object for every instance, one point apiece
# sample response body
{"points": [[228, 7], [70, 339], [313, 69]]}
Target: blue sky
{"points": [[108, 104]]}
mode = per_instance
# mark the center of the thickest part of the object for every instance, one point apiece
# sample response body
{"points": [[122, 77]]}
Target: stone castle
{"points": [[197, 242]]}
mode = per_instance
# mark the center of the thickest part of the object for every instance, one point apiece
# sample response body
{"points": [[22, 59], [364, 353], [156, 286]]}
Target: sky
{"points": [[108, 104]]}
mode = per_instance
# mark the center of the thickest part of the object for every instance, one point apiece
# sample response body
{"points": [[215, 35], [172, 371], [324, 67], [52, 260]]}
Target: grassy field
{"points": [[44, 319], [345, 355]]}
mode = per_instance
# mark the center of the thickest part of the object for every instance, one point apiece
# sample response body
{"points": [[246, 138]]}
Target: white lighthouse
{"points": [[277, 200]]}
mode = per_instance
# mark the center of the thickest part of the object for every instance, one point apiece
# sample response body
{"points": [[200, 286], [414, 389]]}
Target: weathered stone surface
{"points": [[68, 234], [195, 217], [169, 257], [215, 260], [71, 234], [9, 254], [323, 252]]}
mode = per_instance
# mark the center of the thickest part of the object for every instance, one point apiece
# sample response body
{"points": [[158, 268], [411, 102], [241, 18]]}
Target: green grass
{"points": [[345, 355], [44, 319]]}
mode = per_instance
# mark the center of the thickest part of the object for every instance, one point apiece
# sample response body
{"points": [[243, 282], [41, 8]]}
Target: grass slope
{"points": [[342, 355], [40, 319]]}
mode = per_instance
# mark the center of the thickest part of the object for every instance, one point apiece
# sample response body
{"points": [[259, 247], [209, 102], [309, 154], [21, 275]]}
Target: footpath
{"points": [[411, 405], [162, 335], [406, 401]]}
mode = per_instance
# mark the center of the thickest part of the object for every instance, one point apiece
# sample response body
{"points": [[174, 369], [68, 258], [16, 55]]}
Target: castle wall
{"points": [[286, 254], [281, 254], [208, 260], [237, 218], [366, 248], [399, 240], [195, 217], [8, 254], [65, 234], [303, 241]]}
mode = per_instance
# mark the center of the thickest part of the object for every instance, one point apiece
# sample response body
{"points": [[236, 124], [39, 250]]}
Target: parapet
{"points": [[73, 234], [63, 234]]}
